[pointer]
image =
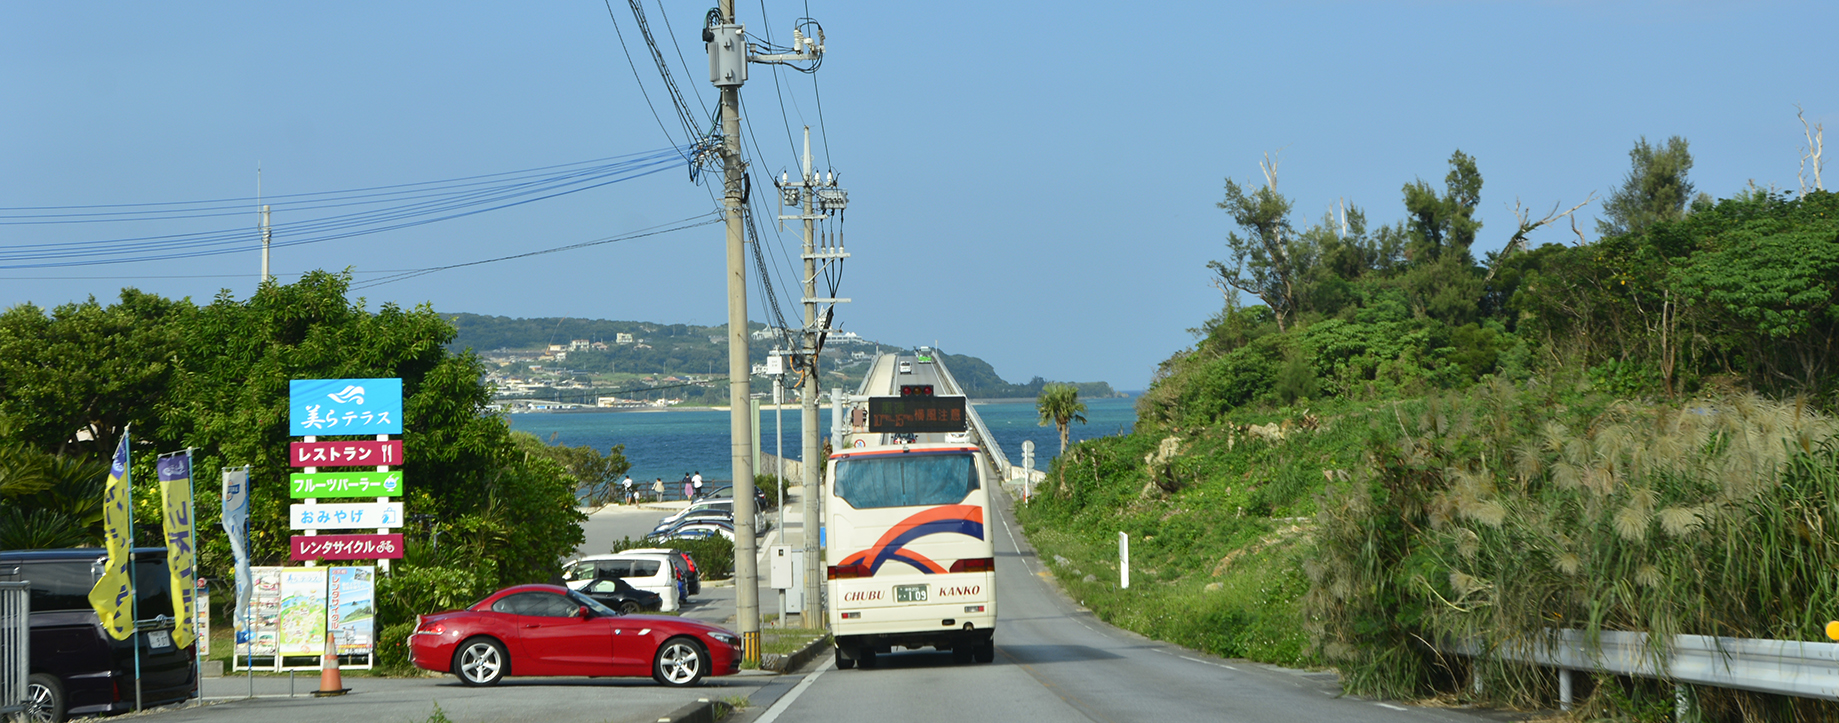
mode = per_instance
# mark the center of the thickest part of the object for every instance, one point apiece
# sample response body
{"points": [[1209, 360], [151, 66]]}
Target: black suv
{"points": [[78, 670]]}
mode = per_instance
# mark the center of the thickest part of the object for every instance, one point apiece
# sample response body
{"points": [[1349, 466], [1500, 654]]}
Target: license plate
{"points": [[909, 593], [159, 639]]}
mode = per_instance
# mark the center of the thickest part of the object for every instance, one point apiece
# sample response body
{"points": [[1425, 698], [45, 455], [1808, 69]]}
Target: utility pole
{"points": [[727, 44], [268, 235], [816, 197]]}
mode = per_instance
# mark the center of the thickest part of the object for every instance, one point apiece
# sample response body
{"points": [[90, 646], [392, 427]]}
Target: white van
{"points": [[643, 570]]}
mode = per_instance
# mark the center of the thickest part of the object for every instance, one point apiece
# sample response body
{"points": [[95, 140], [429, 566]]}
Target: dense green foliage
{"points": [[215, 378], [1405, 446]]}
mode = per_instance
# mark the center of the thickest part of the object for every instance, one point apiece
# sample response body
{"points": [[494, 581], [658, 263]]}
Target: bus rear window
{"points": [[905, 480]]}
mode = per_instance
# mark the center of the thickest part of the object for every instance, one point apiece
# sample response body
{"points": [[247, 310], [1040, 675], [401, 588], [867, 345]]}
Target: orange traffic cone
{"points": [[330, 682]]}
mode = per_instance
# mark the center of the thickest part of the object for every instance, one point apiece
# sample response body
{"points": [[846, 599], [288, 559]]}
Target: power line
{"points": [[688, 223]]}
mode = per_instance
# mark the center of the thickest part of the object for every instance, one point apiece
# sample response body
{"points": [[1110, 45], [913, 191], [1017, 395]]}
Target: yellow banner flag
{"points": [[176, 493], [113, 595]]}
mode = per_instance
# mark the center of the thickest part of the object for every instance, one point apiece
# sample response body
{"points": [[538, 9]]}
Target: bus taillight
{"points": [[849, 572], [975, 564]]}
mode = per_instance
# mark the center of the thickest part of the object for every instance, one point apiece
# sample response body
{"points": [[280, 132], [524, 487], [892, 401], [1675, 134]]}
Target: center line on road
{"points": [[773, 713]]}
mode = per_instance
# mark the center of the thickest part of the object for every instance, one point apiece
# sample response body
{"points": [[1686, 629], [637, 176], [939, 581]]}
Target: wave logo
{"points": [[351, 394], [943, 520]]}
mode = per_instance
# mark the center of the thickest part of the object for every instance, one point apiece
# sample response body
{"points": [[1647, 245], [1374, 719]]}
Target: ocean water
{"points": [[669, 443]]}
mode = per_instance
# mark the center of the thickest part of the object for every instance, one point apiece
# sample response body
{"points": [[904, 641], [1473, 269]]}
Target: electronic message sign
{"points": [[916, 414]]}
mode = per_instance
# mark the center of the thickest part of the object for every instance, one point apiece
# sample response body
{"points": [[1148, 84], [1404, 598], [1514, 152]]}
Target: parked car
{"points": [[77, 670], [724, 504], [546, 630], [616, 593], [725, 529], [692, 576], [645, 572], [726, 492], [718, 515]]}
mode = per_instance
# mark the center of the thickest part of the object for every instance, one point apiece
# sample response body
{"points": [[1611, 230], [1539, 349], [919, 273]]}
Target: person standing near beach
{"points": [[686, 486], [657, 489], [696, 482], [626, 484]]}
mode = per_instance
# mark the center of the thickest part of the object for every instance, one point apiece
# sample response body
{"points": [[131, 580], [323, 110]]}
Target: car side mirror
{"points": [[584, 612]]}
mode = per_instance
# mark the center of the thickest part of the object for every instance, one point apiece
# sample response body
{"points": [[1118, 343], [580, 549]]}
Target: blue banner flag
{"points": [[327, 407]]}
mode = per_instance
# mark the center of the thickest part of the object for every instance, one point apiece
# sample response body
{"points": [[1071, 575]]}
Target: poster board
{"points": [[293, 607]]}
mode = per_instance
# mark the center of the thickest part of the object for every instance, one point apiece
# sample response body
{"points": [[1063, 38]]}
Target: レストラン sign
{"points": [[344, 406], [304, 485], [355, 453]]}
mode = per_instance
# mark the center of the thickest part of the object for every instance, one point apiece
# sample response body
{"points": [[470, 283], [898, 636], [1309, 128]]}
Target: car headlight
{"points": [[730, 639]]}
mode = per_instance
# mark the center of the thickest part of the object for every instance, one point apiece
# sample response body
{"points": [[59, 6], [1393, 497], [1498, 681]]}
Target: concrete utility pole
{"points": [[728, 70], [268, 234], [815, 196]]}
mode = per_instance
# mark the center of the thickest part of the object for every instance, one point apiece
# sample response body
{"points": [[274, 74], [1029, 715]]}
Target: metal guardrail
{"points": [[1784, 667], [15, 645], [983, 432]]}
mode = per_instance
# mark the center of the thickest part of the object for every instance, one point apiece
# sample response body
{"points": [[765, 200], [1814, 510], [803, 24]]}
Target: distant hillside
{"points": [[689, 349], [980, 381]]}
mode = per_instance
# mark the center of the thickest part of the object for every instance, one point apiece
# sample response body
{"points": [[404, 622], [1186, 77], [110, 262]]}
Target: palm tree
{"points": [[1060, 406]]}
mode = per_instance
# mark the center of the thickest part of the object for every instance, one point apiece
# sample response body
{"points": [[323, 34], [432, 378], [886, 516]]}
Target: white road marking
{"points": [[1393, 707], [785, 701]]}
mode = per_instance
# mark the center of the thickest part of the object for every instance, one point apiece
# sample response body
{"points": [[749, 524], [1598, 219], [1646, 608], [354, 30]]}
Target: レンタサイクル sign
{"points": [[354, 453], [305, 485], [344, 406], [346, 547], [344, 516]]}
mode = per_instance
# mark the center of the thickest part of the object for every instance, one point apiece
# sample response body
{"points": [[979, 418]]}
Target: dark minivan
{"points": [[76, 668]]}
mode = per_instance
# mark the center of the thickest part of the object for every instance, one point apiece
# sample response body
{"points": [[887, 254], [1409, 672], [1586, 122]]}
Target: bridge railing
{"points": [[983, 432]]}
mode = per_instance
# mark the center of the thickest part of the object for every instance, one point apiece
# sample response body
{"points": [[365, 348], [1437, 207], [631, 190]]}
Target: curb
{"points": [[787, 663], [701, 711]]}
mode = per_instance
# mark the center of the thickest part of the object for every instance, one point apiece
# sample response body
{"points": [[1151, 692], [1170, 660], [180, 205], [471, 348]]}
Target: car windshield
{"points": [[591, 604]]}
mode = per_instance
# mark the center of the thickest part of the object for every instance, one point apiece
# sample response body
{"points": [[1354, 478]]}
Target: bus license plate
{"points": [[909, 593], [159, 639]]}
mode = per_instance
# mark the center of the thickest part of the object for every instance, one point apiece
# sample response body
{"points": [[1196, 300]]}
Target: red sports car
{"points": [[549, 630]]}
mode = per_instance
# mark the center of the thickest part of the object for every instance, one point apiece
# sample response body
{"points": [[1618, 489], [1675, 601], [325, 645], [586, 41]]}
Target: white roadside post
{"points": [[1123, 559]]}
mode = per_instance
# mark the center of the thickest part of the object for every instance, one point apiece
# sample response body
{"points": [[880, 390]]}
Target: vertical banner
{"points": [[175, 472], [236, 526], [303, 611], [352, 606], [113, 595], [204, 621]]}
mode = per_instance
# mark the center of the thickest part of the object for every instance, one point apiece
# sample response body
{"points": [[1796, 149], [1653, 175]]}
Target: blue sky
{"points": [[1032, 183]]}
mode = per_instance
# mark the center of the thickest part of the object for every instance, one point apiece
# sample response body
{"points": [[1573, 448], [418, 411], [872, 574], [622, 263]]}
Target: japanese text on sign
{"points": [[345, 516], [302, 485], [358, 453], [916, 414], [344, 406], [346, 547]]}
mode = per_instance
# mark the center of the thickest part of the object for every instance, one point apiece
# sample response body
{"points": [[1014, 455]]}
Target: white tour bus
{"points": [[911, 557]]}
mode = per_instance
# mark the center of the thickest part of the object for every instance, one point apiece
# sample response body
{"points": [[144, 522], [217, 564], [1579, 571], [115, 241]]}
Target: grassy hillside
{"points": [[1403, 448]]}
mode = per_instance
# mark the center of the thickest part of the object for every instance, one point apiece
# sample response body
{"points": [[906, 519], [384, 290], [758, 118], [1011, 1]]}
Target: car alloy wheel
{"points": [[44, 700], [680, 662], [629, 607], [480, 661]]}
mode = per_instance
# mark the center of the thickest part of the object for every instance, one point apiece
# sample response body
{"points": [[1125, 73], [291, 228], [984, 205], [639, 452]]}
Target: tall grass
{"points": [[1496, 516]]}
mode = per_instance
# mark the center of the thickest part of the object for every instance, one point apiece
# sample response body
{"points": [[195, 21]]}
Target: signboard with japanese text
{"points": [[344, 407], [303, 611], [346, 547], [354, 453], [344, 516], [303, 485], [916, 414], [351, 607], [262, 629]]}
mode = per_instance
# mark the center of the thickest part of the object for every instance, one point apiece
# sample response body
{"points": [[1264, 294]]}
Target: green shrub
{"points": [[393, 645], [409, 591]]}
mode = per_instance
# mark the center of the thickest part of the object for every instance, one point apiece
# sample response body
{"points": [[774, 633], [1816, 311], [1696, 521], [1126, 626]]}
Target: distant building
{"points": [[561, 356], [557, 347], [600, 346], [578, 345], [622, 338]]}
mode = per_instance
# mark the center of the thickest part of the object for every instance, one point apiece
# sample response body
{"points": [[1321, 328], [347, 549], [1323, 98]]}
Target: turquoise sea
{"points": [[669, 443]]}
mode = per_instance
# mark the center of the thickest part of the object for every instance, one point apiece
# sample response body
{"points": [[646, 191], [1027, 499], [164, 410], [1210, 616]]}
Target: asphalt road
{"points": [[1057, 662]]}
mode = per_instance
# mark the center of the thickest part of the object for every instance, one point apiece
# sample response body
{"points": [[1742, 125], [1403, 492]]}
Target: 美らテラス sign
{"points": [[308, 485], [326, 407]]}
